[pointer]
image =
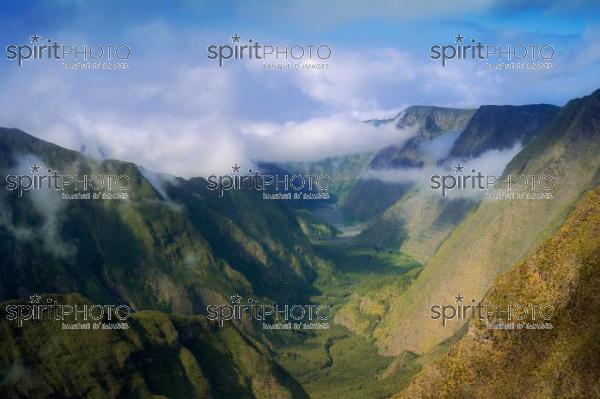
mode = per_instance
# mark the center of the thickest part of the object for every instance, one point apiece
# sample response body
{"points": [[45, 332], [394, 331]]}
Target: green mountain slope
{"points": [[174, 255], [429, 122], [419, 222], [500, 233], [561, 362], [370, 197], [344, 171], [159, 355], [500, 126]]}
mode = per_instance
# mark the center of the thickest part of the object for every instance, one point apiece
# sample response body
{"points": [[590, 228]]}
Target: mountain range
{"points": [[175, 247]]}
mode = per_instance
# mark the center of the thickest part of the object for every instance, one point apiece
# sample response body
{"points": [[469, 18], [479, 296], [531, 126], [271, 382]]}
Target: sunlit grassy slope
{"points": [[562, 362], [500, 233]]}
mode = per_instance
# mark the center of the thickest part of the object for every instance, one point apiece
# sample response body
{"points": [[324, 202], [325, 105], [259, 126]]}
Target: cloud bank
{"points": [[492, 162], [175, 112]]}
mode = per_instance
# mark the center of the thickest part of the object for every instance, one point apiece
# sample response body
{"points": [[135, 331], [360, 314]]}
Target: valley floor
{"points": [[344, 360]]}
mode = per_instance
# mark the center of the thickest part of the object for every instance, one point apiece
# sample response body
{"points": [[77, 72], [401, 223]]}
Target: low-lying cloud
{"points": [[191, 118], [319, 138], [48, 204], [492, 162]]}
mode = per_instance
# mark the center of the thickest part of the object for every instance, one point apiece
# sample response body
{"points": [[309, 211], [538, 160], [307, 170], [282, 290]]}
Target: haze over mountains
{"points": [[175, 247], [149, 253], [154, 254], [480, 247]]}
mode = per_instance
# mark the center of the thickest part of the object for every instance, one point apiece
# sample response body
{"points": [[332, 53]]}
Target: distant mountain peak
{"points": [[497, 127]]}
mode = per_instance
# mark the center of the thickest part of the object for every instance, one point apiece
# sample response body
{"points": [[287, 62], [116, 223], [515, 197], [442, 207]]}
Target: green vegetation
{"points": [[368, 198], [418, 223], [314, 227], [344, 171], [500, 127], [175, 247], [151, 253], [166, 355], [564, 272], [337, 363], [500, 233], [344, 360]]}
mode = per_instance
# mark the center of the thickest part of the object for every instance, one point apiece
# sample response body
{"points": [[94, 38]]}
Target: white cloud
{"points": [[489, 163], [49, 206], [184, 119], [356, 79], [175, 112], [319, 138]]}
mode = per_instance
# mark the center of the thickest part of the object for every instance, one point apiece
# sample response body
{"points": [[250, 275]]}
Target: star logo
{"points": [[35, 298], [236, 168], [235, 299], [35, 168], [236, 38], [459, 298], [459, 38], [35, 38], [459, 168]]}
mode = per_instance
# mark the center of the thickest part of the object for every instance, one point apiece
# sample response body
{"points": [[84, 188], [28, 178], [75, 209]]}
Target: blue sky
{"points": [[173, 98]]}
